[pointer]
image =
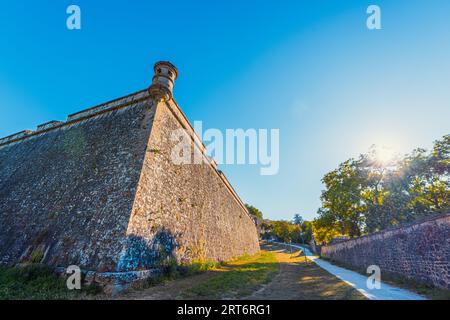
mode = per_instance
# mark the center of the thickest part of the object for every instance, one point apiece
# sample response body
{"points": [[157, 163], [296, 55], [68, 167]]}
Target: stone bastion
{"points": [[100, 191]]}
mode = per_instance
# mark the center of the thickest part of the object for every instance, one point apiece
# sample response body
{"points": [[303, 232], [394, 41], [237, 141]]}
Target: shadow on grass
{"points": [[237, 278], [253, 278]]}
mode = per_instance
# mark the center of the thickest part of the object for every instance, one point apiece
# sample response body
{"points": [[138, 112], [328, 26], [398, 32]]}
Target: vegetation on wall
{"points": [[255, 212]]}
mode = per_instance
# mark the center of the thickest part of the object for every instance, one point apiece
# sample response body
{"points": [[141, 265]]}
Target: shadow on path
{"points": [[358, 281], [301, 279]]}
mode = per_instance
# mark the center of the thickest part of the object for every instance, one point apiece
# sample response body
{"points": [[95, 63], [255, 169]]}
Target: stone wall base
{"points": [[112, 282]]}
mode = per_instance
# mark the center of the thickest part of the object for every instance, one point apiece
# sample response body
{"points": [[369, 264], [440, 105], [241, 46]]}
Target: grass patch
{"points": [[36, 256], [38, 282], [171, 270], [34, 281], [240, 277], [196, 268]]}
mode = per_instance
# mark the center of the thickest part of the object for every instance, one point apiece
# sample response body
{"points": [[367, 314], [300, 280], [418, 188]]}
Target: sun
{"points": [[384, 155]]}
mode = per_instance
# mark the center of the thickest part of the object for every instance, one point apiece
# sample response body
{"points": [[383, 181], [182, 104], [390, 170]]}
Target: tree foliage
{"points": [[307, 229], [298, 219], [286, 231], [283, 231], [366, 195], [255, 212]]}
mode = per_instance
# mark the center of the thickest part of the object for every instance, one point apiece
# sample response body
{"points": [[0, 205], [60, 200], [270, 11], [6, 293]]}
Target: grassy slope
{"points": [[237, 278], [295, 279], [36, 282], [31, 282]]}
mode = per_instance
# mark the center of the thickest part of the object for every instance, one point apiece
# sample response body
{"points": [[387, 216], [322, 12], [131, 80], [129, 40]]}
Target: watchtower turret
{"points": [[163, 80]]}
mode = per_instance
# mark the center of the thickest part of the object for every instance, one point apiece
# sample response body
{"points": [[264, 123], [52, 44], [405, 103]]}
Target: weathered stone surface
{"points": [[100, 192], [419, 251], [188, 208], [68, 193]]}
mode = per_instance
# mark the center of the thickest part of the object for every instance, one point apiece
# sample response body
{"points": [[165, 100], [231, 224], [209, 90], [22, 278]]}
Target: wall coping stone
{"points": [[120, 103], [393, 229]]}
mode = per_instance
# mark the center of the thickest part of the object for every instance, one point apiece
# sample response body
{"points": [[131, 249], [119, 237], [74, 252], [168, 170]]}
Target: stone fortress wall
{"points": [[100, 191], [420, 251]]}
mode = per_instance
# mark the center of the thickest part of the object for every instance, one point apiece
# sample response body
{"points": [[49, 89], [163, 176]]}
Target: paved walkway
{"points": [[358, 281]]}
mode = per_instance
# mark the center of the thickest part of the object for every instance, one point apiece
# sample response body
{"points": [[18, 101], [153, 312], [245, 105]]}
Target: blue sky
{"points": [[310, 68]]}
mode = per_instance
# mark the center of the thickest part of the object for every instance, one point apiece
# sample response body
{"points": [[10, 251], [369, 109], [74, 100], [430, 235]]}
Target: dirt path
{"points": [[358, 281], [301, 279], [297, 279]]}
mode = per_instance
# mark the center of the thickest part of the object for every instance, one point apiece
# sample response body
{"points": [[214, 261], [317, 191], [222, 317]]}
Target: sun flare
{"points": [[384, 154]]}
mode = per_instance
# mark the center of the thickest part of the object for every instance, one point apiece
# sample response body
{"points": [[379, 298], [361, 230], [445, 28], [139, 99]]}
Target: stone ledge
{"points": [[49, 125], [16, 136], [91, 112], [113, 282]]}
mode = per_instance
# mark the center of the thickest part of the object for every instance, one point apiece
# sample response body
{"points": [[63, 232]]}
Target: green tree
{"points": [[367, 195], [298, 220], [255, 212], [325, 228], [284, 231], [342, 199], [307, 231]]}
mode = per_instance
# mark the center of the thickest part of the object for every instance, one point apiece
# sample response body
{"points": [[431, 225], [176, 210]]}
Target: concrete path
{"points": [[359, 282]]}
